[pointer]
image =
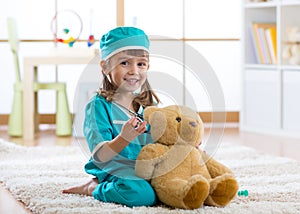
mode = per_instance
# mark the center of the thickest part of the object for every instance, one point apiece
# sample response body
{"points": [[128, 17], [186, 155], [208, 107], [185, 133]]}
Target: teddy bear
{"points": [[182, 175], [291, 50]]}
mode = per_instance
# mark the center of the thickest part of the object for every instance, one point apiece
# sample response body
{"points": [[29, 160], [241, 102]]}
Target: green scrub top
{"points": [[103, 122]]}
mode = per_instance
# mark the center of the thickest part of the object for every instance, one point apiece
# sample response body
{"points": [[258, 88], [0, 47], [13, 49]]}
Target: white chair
{"points": [[15, 123]]}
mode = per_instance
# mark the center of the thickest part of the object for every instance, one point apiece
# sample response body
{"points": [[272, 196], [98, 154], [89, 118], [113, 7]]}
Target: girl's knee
{"points": [[146, 197], [128, 192], [139, 193]]}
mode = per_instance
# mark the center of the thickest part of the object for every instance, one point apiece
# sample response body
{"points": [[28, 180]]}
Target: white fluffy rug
{"points": [[36, 176]]}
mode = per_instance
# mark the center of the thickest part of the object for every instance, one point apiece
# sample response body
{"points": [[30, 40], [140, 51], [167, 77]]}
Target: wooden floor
{"points": [[279, 146]]}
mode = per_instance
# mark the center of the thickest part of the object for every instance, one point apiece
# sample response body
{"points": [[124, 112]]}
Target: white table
{"points": [[30, 62]]}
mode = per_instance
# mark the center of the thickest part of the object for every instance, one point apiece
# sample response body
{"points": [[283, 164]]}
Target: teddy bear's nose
{"points": [[194, 124]]}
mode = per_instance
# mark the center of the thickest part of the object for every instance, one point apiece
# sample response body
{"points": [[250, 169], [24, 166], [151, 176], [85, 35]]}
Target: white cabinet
{"points": [[271, 91], [262, 98], [291, 101]]}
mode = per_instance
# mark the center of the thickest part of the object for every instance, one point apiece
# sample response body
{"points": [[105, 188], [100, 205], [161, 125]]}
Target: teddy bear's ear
{"points": [[149, 110]]}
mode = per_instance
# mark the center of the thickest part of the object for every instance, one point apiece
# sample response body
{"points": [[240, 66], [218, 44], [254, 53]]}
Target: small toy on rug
{"points": [[181, 174], [243, 193]]}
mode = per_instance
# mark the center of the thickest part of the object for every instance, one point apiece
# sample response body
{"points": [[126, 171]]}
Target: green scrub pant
{"points": [[136, 192]]}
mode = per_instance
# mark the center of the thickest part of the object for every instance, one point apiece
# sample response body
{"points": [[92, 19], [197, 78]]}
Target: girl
{"points": [[114, 136]]}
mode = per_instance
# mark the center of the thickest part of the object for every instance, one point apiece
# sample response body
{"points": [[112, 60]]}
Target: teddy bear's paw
{"points": [[222, 190], [197, 193]]}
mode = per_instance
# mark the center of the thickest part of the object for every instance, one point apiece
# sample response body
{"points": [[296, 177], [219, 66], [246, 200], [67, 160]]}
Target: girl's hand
{"points": [[132, 128]]}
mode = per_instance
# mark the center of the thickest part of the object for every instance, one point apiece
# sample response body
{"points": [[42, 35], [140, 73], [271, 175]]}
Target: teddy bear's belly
{"points": [[180, 161]]}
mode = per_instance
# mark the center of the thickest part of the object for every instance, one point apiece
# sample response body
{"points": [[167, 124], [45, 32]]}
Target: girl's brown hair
{"points": [[146, 97]]}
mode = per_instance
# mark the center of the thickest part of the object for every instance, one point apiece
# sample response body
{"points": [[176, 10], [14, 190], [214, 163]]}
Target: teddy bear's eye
{"points": [[178, 119]]}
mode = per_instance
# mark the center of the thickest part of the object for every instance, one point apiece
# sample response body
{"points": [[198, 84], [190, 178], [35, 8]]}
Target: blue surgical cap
{"points": [[123, 38]]}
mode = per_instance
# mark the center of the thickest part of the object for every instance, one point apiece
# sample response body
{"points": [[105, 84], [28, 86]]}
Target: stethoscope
{"points": [[137, 115]]}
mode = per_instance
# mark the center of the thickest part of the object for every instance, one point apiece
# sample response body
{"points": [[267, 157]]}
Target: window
{"points": [[210, 27], [155, 17]]}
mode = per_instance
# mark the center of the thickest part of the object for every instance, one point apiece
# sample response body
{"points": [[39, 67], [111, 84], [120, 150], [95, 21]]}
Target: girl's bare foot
{"points": [[84, 189]]}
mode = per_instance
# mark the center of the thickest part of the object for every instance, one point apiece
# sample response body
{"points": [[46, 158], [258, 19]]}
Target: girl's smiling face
{"points": [[127, 71]]}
